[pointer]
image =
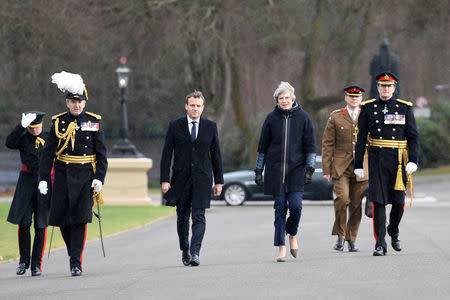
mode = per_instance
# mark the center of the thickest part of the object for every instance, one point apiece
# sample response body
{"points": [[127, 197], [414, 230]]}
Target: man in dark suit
{"points": [[194, 143]]}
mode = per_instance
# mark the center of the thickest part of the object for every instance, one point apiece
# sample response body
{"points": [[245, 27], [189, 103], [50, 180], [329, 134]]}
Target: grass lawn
{"points": [[114, 219]]}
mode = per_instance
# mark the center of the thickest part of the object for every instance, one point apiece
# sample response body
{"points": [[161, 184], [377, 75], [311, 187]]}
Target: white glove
{"points": [[27, 119], [359, 173], [43, 187], [410, 168], [97, 185]]}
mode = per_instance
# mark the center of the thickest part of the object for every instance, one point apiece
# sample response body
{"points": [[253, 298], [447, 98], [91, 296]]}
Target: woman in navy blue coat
{"points": [[286, 149]]}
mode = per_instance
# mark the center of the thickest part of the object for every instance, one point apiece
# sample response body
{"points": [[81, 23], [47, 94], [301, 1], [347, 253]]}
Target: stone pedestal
{"points": [[126, 181]]}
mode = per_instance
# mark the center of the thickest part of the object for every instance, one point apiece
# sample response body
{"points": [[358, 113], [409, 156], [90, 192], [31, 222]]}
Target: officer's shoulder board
{"points": [[334, 112], [405, 102], [337, 111], [58, 115], [98, 117], [368, 101]]}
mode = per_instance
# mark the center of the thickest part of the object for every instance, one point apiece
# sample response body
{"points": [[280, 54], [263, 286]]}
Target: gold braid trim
{"points": [[69, 135], [38, 142]]}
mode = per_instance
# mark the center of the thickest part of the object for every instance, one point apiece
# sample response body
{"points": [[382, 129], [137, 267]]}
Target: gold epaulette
{"points": [[368, 101], [98, 117], [405, 102], [58, 115]]}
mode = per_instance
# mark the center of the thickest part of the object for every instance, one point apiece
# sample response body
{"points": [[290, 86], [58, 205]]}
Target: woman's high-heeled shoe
{"points": [[294, 252], [281, 259]]}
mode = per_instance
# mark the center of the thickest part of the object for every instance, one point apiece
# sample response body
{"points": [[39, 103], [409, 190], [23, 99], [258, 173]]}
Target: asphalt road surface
{"points": [[238, 260]]}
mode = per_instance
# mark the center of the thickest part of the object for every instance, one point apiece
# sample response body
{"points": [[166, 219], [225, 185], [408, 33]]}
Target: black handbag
{"points": [[368, 209]]}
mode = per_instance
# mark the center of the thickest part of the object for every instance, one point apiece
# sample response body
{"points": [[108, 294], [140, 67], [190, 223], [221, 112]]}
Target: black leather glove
{"points": [[258, 177], [308, 174]]}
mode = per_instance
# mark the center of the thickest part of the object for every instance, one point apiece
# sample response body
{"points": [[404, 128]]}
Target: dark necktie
{"points": [[193, 131]]}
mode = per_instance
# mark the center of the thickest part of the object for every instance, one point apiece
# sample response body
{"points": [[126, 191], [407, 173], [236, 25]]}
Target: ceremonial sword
{"points": [[98, 215]]}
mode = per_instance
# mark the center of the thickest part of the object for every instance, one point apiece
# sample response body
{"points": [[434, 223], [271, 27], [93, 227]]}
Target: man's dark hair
{"points": [[195, 94]]}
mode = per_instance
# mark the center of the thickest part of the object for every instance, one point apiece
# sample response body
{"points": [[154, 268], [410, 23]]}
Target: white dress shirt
{"points": [[353, 113], [196, 125]]}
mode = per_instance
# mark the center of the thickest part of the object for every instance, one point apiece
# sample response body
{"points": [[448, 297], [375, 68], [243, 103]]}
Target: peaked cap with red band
{"points": [[386, 78], [354, 90]]}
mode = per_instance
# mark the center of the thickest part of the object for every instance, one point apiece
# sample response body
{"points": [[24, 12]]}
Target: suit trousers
{"points": [[283, 202], [40, 235], [75, 237], [184, 209], [379, 222], [349, 194]]}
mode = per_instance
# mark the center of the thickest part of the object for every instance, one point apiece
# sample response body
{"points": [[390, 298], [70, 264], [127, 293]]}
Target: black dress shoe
{"points": [[339, 246], [195, 260], [395, 243], [35, 271], [75, 271], [21, 268], [379, 251], [352, 247], [186, 258]]}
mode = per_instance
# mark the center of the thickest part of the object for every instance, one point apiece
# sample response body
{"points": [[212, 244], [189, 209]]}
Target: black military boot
{"points": [[75, 271], [21, 268], [379, 251], [395, 242], [35, 271]]}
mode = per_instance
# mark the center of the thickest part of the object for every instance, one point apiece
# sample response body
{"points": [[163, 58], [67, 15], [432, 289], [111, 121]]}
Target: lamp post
{"points": [[124, 148]]}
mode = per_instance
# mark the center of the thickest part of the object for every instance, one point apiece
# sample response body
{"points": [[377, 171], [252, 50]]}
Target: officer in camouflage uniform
{"points": [[76, 145], [388, 126], [28, 138]]}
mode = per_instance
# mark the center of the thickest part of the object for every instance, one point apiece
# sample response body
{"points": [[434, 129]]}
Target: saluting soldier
{"points": [[76, 145], [338, 151], [388, 126], [28, 138]]}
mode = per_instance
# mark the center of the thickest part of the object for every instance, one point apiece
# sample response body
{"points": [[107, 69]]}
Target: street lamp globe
{"points": [[122, 73]]}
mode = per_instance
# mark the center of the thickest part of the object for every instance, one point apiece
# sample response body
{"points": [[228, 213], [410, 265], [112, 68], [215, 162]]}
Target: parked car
{"points": [[240, 186]]}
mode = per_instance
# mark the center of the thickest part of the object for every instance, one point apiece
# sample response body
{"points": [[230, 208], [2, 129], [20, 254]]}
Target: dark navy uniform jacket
{"points": [[391, 120], [72, 192], [26, 193]]}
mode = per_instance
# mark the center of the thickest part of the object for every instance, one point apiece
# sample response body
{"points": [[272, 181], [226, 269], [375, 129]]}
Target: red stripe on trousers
{"points": [[43, 249], [82, 250], [373, 221], [18, 237]]}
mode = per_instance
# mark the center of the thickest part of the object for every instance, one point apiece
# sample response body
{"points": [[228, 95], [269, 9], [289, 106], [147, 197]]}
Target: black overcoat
{"points": [[71, 201], [286, 138], [26, 193], [374, 119], [197, 160]]}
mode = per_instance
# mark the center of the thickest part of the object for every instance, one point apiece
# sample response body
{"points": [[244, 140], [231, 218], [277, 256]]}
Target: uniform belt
{"points": [[388, 143], [77, 159], [24, 168], [402, 160]]}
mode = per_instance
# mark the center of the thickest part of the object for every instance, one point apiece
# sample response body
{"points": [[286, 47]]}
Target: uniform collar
{"points": [[387, 101], [72, 117]]}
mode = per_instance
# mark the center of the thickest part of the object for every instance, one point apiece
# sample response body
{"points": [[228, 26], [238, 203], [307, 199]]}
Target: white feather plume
{"points": [[69, 82]]}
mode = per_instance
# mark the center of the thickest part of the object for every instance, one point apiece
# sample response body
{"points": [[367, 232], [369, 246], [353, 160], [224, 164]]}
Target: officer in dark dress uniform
{"points": [[76, 144], [388, 126], [29, 139]]}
